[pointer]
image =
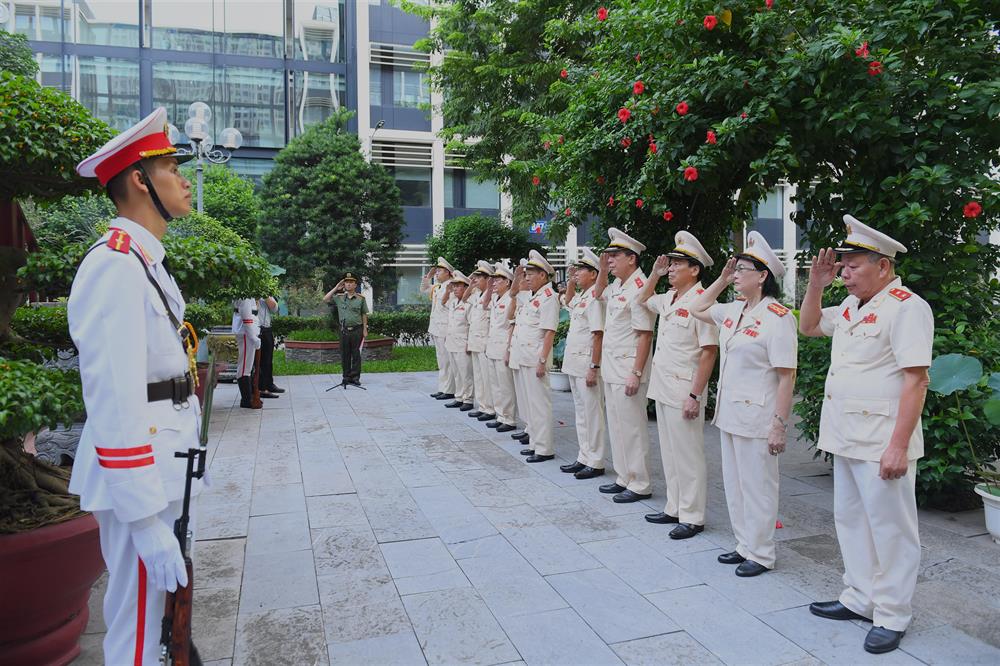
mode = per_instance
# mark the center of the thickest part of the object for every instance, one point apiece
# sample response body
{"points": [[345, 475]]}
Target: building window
{"points": [[185, 26], [414, 185], [109, 87], [375, 86], [105, 22], [254, 28], [319, 31], [253, 101], [317, 96], [40, 22], [481, 194], [409, 88], [177, 84]]}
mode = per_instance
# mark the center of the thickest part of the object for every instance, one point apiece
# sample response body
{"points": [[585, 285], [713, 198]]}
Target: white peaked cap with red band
{"points": [[147, 138]]}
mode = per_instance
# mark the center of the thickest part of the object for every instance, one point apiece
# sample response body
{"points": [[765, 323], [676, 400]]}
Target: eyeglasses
{"points": [[744, 269]]}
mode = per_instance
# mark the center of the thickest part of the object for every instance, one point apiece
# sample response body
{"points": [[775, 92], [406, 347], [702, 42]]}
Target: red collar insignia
{"points": [[536, 302], [869, 318], [681, 312], [847, 314], [728, 323], [751, 332]]}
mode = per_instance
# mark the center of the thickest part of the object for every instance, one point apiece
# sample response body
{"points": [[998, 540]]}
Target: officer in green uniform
{"points": [[352, 310]]}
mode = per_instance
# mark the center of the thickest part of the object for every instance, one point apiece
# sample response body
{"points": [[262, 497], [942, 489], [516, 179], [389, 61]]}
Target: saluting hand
{"points": [[571, 275], [824, 268], [729, 271], [661, 266], [605, 262]]}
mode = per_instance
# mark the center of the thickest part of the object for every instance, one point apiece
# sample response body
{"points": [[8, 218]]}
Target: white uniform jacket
{"points": [[749, 351], [458, 325], [125, 461], [245, 320], [871, 346], [438, 325], [479, 322], [622, 321], [496, 345], [586, 315]]}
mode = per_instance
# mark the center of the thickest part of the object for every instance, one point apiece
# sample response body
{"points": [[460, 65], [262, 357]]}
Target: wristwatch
{"points": [[637, 373], [693, 397], [595, 366]]}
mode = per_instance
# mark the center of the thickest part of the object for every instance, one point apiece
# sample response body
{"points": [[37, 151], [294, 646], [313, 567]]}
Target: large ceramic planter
{"points": [[991, 507], [329, 352], [559, 381], [203, 378], [45, 582]]}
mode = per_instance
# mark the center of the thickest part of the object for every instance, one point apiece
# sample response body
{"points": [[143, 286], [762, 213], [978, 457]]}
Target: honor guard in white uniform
{"points": [[519, 297], [582, 364], [686, 349], [479, 333], [628, 335], [457, 340], [501, 377], [875, 389], [438, 325], [758, 345], [124, 317], [534, 333], [247, 331]]}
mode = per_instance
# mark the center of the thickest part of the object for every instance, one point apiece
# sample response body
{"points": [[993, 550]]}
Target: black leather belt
{"points": [[235, 311], [176, 389], [350, 328]]}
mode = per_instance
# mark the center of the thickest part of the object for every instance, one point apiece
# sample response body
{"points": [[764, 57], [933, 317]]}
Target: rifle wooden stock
{"points": [[177, 615], [255, 401]]}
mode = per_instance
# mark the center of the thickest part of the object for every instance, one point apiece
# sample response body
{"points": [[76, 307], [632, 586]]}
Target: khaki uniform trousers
{"points": [[877, 528], [481, 382], [591, 427], [501, 380], [538, 403], [461, 372], [446, 383], [521, 397], [682, 449], [629, 436], [750, 475]]}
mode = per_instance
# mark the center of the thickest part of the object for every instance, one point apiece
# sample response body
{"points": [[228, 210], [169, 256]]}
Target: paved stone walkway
{"points": [[379, 528]]}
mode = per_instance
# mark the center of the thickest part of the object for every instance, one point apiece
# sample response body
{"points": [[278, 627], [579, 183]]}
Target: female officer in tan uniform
{"points": [[759, 345]]}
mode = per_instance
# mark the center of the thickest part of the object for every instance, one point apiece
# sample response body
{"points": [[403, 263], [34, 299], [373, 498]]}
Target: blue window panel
{"points": [[419, 224]]}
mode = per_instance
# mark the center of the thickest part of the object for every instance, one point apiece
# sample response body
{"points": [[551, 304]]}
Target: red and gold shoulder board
{"points": [[548, 292], [639, 282], [120, 241], [900, 294], [777, 309]]}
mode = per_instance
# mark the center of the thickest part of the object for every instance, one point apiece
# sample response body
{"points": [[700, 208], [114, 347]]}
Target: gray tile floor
{"points": [[379, 527]]}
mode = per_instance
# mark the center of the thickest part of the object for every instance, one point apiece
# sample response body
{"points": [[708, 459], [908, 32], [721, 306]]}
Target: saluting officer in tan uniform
{"points": [[520, 297], [882, 338], [534, 334], [628, 335], [479, 332], [438, 325], [758, 355], [501, 377], [686, 349], [457, 340], [582, 364]]}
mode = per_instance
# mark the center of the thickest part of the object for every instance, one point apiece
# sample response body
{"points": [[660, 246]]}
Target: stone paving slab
{"points": [[378, 527]]}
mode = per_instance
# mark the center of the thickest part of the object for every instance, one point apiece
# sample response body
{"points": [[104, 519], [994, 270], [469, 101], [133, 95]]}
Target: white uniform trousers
{"points": [[538, 401], [522, 398], [133, 608], [750, 474], [501, 380], [877, 528], [629, 436], [446, 382], [682, 449], [591, 427], [461, 372], [244, 355], [481, 382]]}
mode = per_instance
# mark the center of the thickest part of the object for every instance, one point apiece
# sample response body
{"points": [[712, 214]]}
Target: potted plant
{"points": [[558, 380], [950, 374]]}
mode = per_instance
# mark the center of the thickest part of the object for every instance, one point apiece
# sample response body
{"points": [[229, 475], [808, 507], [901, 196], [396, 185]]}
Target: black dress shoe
{"points": [[523, 437], [609, 488], [466, 407], [686, 531], [589, 473], [436, 394], [731, 558], [572, 468], [527, 452], [492, 424], [834, 610], [749, 568], [517, 435], [660, 518], [503, 427], [538, 458], [446, 396], [453, 404], [487, 417], [627, 497], [275, 389], [474, 414], [881, 640], [268, 394]]}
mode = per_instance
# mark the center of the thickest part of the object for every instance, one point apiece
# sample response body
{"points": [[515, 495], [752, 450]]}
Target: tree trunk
{"points": [[11, 259], [32, 492]]}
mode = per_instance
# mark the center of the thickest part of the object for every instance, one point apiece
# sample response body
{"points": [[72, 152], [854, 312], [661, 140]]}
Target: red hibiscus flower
{"points": [[638, 203], [652, 148], [611, 201], [862, 51], [564, 74], [638, 87], [710, 22], [682, 108], [680, 21], [690, 174], [638, 57], [601, 180], [667, 216], [568, 212], [769, 4], [743, 115], [547, 145], [710, 137], [624, 114], [602, 14], [562, 139], [536, 181], [874, 68], [972, 209], [626, 142]]}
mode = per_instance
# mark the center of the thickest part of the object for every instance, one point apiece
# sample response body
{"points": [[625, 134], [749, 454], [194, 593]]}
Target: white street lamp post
{"points": [[202, 145]]}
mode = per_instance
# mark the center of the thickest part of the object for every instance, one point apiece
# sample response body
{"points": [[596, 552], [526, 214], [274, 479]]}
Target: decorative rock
{"points": [[329, 352]]}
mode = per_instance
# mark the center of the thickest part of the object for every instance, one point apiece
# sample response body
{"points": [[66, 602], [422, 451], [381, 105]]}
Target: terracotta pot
{"points": [[46, 578], [203, 377]]}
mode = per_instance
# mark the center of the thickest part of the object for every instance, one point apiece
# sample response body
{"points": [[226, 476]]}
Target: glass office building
{"points": [[272, 68]]}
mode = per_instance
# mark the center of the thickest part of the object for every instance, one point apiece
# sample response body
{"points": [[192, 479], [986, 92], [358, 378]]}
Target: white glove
{"points": [[256, 344], [160, 552]]}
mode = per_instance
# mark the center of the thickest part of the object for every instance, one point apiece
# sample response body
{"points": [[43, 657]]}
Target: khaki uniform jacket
{"points": [[479, 322], [458, 325], [621, 322], [496, 345], [678, 346], [749, 351], [438, 326], [871, 346], [539, 313], [586, 315]]}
